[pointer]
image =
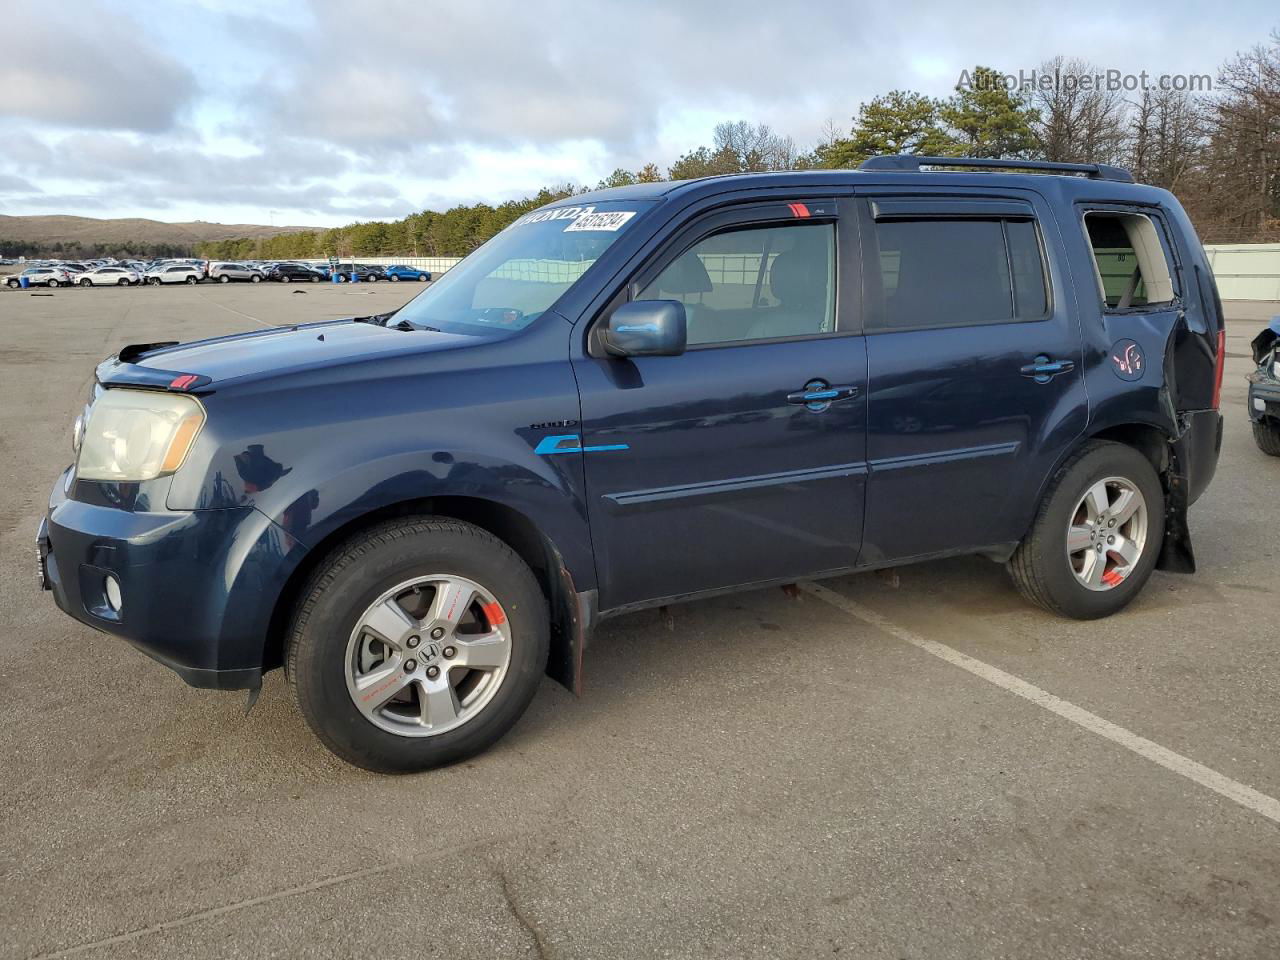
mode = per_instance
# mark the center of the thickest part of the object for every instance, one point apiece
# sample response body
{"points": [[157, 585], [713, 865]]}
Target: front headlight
{"points": [[133, 435]]}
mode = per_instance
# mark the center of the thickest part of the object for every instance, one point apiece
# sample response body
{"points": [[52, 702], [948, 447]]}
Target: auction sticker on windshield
{"points": [[601, 221]]}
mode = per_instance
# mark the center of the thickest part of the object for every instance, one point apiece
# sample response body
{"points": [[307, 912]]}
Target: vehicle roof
{"points": [[1076, 187]]}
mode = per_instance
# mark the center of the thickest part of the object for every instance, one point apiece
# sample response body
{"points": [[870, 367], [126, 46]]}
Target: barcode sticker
{"points": [[601, 221]]}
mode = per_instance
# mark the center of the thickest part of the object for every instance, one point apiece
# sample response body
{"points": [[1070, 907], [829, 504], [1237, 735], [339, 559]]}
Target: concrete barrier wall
{"points": [[1246, 271]]}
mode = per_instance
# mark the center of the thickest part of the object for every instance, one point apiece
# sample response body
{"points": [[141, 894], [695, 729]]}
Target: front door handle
{"points": [[1042, 369], [817, 395]]}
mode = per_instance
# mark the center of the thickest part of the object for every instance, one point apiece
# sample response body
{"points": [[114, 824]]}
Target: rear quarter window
{"points": [[1131, 262]]}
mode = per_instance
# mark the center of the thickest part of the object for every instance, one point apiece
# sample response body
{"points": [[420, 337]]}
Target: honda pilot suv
{"points": [[643, 395]]}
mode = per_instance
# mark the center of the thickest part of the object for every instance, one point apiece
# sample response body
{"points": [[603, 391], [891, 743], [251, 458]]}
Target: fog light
{"points": [[1259, 404], [112, 587]]}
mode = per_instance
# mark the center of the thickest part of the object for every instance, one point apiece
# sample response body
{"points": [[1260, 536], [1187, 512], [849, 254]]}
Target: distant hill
{"points": [[36, 235]]}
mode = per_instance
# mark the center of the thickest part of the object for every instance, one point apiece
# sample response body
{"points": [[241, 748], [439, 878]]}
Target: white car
{"points": [[41, 276], [175, 273], [109, 276]]}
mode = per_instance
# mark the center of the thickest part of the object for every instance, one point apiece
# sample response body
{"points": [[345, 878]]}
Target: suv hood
{"points": [[273, 352]]}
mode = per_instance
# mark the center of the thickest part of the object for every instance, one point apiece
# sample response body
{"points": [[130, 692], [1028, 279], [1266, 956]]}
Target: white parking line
{"points": [[1246, 796]]}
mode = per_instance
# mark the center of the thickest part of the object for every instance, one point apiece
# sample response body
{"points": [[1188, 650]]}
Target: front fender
{"points": [[540, 490]]}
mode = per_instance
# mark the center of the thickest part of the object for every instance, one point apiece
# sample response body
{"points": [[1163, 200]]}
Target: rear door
{"points": [[975, 358], [740, 461]]}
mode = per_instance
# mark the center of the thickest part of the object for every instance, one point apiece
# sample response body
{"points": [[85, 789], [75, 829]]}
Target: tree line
{"points": [[75, 250], [1218, 150]]}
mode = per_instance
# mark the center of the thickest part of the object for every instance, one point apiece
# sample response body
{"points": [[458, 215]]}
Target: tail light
{"points": [[1218, 365]]}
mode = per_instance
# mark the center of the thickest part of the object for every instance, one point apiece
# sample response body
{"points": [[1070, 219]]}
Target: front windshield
{"points": [[510, 281]]}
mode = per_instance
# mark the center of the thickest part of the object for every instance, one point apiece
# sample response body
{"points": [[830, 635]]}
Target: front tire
{"points": [[1266, 434], [54, 283], [418, 643], [1096, 536], [86, 282], [255, 278], [423, 278]]}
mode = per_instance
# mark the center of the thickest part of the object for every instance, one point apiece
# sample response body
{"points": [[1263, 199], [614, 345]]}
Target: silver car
{"points": [[226, 272]]}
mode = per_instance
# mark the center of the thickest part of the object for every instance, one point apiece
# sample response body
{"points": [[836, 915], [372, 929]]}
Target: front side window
{"points": [[516, 276], [946, 273], [756, 283], [1132, 267]]}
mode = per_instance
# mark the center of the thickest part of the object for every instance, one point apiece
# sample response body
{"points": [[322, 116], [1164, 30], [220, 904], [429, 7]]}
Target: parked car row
{"points": [[197, 271]]}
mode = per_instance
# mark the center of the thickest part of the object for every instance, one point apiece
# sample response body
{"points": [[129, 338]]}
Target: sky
{"points": [[312, 112]]}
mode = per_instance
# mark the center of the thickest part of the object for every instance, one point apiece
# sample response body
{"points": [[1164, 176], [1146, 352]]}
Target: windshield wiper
{"points": [[384, 320]]}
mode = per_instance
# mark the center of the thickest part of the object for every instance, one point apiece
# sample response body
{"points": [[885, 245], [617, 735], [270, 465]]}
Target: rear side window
{"points": [[957, 272], [754, 283], [1132, 268]]}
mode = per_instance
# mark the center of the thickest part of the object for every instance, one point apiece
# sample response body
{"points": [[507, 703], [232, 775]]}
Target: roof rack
{"points": [[908, 163]]}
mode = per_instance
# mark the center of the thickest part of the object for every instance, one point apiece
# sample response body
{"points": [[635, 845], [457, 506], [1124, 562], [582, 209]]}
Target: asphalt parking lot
{"points": [[855, 772]]}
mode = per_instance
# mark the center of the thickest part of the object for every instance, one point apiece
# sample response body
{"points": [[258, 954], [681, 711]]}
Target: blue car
{"points": [[644, 395], [400, 272]]}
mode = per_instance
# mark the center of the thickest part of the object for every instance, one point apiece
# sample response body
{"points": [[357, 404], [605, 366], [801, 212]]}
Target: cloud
{"points": [[12, 184], [89, 67], [335, 110]]}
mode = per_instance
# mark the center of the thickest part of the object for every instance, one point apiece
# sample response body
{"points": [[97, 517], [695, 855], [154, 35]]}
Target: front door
{"points": [[742, 460]]}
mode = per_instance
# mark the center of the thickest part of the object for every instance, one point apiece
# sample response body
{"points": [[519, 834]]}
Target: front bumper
{"points": [[1264, 396], [198, 588]]}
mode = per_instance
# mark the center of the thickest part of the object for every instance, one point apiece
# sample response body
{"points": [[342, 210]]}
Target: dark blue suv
{"points": [[644, 395]]}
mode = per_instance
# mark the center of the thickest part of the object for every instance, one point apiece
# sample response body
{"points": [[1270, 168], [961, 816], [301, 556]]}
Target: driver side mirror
{"points": [[646, 328]]}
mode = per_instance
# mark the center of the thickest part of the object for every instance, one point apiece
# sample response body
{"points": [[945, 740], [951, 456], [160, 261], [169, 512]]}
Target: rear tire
{"points": [[394, 278], [285, 278], [191, 281], [1044, 570], [1266, 434], [14, 284], [122, 282], [330, 623], [224, 279]]}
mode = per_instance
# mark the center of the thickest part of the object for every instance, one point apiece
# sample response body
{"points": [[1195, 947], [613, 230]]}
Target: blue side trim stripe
{"points": [[572, 443]]}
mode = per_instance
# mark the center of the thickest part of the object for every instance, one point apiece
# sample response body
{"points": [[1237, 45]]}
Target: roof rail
{"points": [[909, 163]]}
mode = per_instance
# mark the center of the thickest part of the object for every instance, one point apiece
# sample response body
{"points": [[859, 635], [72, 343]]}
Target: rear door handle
{"points": [[1042, 369], [817, 395]]}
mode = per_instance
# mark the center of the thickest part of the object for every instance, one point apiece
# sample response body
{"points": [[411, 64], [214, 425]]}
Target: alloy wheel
{"points": [[428, 655], [1107, 533]]}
